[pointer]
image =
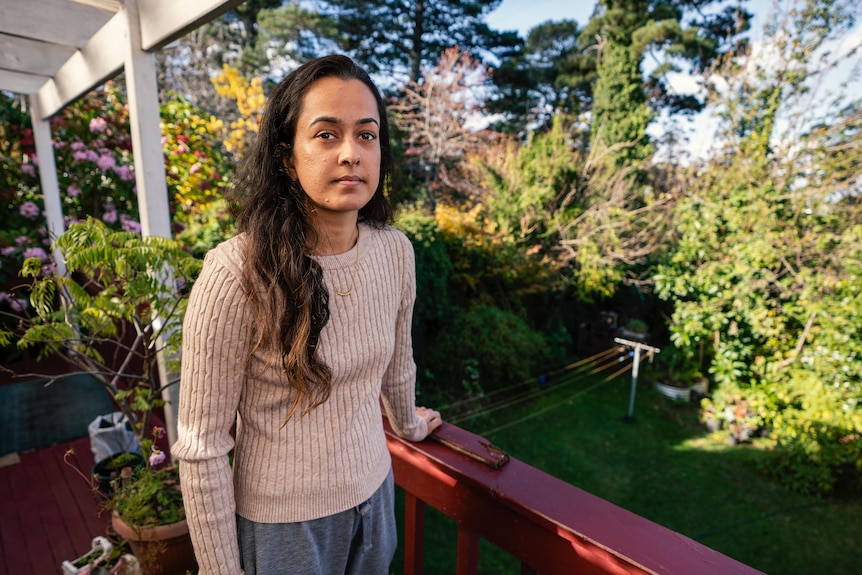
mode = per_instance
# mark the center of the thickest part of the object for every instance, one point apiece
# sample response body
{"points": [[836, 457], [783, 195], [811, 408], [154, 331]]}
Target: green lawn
{"points": [[666, 467]]}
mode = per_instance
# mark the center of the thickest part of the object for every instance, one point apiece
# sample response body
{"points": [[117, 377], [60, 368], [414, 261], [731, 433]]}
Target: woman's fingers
{"points": [[432, 417]]}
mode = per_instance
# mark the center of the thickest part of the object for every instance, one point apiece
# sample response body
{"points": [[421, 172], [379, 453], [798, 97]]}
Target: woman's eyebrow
{"points": [[334, 120]]}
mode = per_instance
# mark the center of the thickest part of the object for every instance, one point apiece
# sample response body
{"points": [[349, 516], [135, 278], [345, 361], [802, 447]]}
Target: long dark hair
{"points": [[283, 283]]}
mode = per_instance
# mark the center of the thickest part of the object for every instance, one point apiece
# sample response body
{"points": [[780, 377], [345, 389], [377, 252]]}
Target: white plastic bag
{"points": [[111, 434]]}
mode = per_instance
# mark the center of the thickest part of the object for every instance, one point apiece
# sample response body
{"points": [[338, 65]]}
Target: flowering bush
{"points": [[93, 152]]}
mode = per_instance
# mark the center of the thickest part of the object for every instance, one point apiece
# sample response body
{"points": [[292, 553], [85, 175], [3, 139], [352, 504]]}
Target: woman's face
{"points": [[336, 149]]}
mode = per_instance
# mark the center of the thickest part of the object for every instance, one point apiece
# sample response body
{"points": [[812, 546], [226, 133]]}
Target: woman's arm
{"points": [[399, 381], [214, 336]]}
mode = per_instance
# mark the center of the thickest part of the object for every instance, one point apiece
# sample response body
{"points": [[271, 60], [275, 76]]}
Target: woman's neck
{"points": [[335, 237]]}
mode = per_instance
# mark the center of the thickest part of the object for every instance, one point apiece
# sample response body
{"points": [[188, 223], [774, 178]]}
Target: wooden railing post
{"points": [[414, 535], [468, 552]]}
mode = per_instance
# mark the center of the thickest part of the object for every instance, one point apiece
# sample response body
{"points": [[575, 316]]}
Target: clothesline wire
{"points": [[586, 363], [569, 379]]}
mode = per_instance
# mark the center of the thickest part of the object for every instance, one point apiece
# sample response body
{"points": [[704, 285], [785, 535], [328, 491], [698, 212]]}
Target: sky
{"points": [[522, 15]]}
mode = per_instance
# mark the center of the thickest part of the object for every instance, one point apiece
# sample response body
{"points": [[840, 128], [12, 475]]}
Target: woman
{"points": [[295, 330]]}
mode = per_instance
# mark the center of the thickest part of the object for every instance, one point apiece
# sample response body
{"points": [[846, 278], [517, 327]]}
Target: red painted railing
{"points": [[551, 526]]}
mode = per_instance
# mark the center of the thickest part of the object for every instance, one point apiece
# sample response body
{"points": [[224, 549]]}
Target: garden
{"points": [[537, 239]]}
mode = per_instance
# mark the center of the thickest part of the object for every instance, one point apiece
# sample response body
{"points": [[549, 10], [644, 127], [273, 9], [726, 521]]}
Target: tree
{"points": [[398, 37], [620, 114], [621, 32], [434, 114], [767, 265], [576, 207], [542, 79]]}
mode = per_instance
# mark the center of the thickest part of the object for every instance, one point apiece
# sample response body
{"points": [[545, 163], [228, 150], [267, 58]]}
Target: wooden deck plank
{"points": [[73, 536], [11, 534], [56, 545], [47, 512], [89, 504], [26, 503]]}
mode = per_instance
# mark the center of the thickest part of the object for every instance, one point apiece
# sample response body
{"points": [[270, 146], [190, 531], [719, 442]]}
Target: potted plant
{"points": [[676, 374], [147, 510], [117, 308], [635, 329]]}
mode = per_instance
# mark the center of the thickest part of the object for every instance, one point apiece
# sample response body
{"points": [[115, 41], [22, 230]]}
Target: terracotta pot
{"points": [[162, 550]]}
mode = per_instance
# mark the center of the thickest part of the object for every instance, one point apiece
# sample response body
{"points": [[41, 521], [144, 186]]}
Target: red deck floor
{"points": [[47, 512]]}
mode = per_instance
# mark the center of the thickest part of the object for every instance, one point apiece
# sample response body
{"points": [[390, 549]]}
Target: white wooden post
{"points": [[144, 119], [48, 179]]}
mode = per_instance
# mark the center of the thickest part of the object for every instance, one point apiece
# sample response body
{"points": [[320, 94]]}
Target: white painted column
{"points": [[142, 87], [48, 178], [144, 119]]}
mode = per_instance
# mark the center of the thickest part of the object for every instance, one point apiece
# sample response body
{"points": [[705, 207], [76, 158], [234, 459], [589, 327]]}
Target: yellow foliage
{"points": [[249, 99]]}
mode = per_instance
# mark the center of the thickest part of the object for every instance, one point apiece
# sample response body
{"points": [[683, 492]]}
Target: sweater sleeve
{"points": [[399, 380], [211, 382]]}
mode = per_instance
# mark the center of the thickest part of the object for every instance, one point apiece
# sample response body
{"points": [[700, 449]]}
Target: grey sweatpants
{"points": [[359, 541]]}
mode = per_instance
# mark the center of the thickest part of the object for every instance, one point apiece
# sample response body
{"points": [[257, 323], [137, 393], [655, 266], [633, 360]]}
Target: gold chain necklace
{"points": [[349, 290]]}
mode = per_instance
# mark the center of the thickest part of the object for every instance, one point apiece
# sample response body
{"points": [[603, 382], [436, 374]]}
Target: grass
{"points": [[666, 467]]}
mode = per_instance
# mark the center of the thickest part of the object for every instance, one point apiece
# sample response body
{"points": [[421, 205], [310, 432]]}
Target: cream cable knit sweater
{"points": [[324, 462]]}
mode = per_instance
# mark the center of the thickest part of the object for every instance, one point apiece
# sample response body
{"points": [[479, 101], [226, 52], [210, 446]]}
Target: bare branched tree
{"points": [[434, 116]]}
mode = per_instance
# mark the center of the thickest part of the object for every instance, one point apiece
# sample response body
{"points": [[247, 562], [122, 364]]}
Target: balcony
{"points": [[551, 526], [47, 514]]}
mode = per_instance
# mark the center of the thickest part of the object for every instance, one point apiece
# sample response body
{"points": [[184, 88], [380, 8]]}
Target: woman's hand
{"points": [[431, 417]]}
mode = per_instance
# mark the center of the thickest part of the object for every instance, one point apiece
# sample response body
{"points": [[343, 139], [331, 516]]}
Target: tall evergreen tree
{"points": [[621, 32], [542, 79], [401, 35]]}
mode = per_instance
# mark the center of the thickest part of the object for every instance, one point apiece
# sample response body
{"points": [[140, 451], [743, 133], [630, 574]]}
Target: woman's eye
{"points": [[368, 136], [326, 135]]}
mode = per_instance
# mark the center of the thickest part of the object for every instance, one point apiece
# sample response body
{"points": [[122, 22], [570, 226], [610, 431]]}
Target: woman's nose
{"points": [[349, 153]]}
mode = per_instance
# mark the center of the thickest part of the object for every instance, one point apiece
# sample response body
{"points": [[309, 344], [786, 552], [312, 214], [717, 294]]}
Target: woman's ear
{"points": [[287, 160]]}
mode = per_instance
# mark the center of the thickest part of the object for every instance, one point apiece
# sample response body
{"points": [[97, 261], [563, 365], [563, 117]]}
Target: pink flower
{"points": [[130, 225], [22, 241], [157, 457], [17, 304], [196, 167], [28, 169], [35, 253], [73, 191], [92, 156], [77, 146], [7, 251], [125, 173], [48, 269], [105, 163], [110, 215], [29, 210], [79, 155], [98, 125], [158, 432]]}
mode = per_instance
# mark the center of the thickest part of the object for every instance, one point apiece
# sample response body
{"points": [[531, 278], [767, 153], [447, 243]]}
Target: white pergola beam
{"points": [[54, 21], [163, 21], [97, 61], [21, 83], [48, 180], [23, 55]]}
